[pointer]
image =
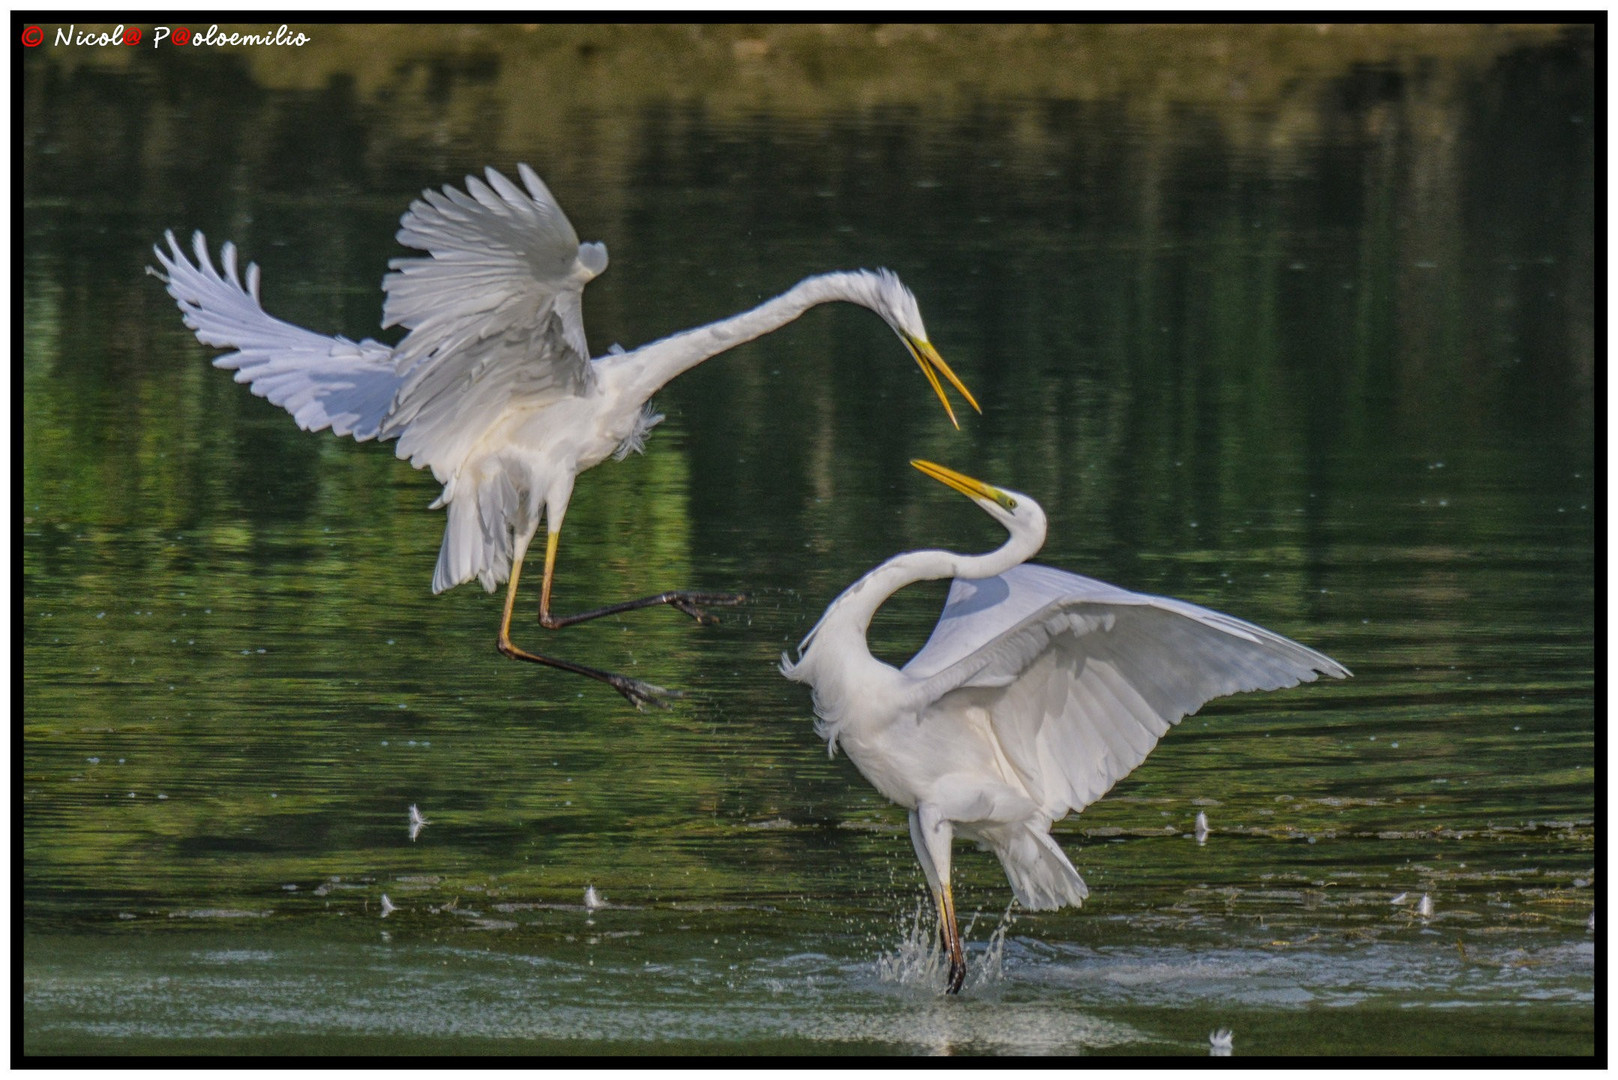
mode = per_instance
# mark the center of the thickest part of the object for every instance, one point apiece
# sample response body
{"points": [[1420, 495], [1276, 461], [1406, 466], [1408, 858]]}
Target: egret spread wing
{"points": [[322, 381], [493, 312], [1081, 678]]}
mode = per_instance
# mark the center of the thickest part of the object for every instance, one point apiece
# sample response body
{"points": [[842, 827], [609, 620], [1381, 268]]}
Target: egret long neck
{"points": [[649, 367], [859, 603]]}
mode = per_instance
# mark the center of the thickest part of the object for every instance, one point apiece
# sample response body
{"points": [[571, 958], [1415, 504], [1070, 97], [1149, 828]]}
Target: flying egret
{"points": [[493, 387], [1037, 691]]}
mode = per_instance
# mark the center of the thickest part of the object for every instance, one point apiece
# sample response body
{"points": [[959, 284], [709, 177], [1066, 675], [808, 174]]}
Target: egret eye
{"points": [[1005, 500]]}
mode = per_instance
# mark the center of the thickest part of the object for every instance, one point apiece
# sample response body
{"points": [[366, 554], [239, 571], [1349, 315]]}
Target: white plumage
{"points": [[1082, 678], [1037, 692], [492, 387]]}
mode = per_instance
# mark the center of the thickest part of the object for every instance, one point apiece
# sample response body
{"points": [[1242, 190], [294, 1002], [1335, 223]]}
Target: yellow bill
{"points": [[932, 365], [974, 489]]}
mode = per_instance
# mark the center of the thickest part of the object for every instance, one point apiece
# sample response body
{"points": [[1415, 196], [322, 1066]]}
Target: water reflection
{"points": [[1321, 353]]}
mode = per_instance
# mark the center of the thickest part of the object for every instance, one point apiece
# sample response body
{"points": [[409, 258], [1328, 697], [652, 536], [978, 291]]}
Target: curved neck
{"points": [[653, 365], [854, 609]]}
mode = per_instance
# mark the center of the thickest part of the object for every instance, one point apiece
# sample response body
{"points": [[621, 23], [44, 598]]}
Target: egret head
{"points": [[1020, 515], [885, 294], [896, 304]]}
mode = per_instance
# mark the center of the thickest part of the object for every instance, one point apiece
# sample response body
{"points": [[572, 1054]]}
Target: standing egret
{"points": [[493, 387], [1037, 691]]}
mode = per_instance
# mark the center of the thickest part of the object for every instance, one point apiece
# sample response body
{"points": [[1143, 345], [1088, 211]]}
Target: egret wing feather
{"points": [[495, 257], [444, 409], [322, 381], [494, 312], [1081, 678], [979, 610]]}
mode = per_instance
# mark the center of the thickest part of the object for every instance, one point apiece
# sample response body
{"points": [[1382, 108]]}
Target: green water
{"points": [[1320, 356]]}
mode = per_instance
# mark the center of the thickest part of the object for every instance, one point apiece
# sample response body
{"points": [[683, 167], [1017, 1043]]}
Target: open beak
{"points": [[972, 489], [932, 365]]}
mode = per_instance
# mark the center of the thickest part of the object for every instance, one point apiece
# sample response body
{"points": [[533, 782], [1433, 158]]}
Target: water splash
{"points": [[919, 960], [989, 969]]}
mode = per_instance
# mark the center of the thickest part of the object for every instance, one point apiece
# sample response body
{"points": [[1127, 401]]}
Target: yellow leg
{"points": [[952, 939], [639, 693], [545, 584], [504, 641]]}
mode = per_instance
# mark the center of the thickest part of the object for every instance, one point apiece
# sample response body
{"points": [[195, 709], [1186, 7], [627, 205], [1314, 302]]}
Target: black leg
{"points": [[637, 692], [684, 601]]}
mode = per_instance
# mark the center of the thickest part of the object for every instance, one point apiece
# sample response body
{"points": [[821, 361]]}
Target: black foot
{"points": [[687, 602], [641, 694]]}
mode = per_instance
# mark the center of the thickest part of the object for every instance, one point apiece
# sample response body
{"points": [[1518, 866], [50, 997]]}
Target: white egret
{"points": [[1037, 691], [493, 386]]}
